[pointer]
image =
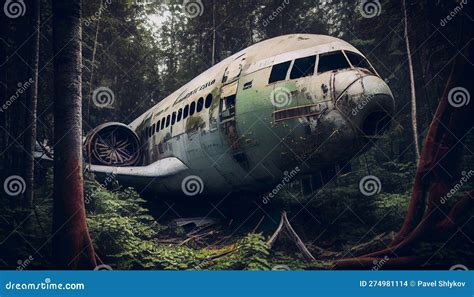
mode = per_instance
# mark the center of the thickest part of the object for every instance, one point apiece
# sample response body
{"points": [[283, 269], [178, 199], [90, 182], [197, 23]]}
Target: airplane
{"points": [[298, 106]]}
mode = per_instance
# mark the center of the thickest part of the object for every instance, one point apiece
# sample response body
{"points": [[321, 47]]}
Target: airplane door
{"points": [[227, 104], [227, 109]]}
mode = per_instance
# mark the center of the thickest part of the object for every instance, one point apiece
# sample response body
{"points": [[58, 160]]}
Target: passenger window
{"points": [[279, 72], [358, 61], [168, 118], [158, 126], [185, 111], [192, 107], [153, 129], [173, 118], [200, 104], [180, 114], [332, 61], [303, 67], [208, 102], [162, 123]]}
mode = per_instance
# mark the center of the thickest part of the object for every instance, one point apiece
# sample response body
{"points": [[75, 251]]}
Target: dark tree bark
{"points": [[72, 246], [3, 96], [31, 104], [437, 172]]}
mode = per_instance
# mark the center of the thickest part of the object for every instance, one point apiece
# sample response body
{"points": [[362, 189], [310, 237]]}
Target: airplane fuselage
{"points": [[296, 103]]}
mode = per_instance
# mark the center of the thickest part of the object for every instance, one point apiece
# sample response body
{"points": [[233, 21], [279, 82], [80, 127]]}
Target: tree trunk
{"points": [[72, 246], [31, 104], [213, 32], [442, 150], [94, 51], [437, 171], [412, 84], [3, 99]]}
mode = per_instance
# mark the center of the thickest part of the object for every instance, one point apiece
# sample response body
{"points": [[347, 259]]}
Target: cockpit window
{"points": [[303, 67], [279, 72], [358, 61], [332, 61]]}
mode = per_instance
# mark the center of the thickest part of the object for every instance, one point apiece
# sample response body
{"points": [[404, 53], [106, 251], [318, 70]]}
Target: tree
{"points": [[32, 99], [436, 174], [72, 245], [414, 123]]}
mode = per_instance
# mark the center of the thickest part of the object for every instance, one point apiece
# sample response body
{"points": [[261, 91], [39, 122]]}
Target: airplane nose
{"points": [[368, 105]]}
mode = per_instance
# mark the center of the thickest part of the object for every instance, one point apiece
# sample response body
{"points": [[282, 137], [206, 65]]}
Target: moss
{"points": [[194, 123]]}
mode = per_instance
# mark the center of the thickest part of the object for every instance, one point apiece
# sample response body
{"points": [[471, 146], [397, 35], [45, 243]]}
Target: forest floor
{"points": [[130, 232]]}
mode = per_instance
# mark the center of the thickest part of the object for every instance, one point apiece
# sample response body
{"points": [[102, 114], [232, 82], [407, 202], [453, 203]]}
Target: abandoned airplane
{"points": [[297, 103]]}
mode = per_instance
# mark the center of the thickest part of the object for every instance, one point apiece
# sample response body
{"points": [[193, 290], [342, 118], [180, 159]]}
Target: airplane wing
{"points": [[161, 168]]}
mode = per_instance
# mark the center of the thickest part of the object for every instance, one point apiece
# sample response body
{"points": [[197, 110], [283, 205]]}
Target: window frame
{"points": [[192, 108], [207, 100], [290, 66], [163, 122], [197, 104], [173, 118], [328, 53], [316, 56], [186, 111], [372, 69]]}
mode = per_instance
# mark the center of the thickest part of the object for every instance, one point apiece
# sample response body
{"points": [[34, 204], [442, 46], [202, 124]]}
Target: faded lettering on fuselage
{"points": [[193, 92]]}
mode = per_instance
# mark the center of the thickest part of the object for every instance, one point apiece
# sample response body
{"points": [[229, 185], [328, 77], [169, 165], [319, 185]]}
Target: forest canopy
{"points": [[132, 54]]}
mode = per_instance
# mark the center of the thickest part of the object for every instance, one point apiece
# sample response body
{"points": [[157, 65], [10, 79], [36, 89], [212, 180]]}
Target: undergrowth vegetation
{"points": [[127, 236]]}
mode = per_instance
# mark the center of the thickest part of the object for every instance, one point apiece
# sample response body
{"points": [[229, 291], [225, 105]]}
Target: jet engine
{"points": [[113, 144]]}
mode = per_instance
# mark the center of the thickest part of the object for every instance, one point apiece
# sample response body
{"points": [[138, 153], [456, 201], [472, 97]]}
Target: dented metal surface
{"points": [[243, 140]]}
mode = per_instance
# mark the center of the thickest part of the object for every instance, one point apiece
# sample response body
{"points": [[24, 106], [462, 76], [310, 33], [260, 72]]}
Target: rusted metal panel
{"points": [[237, 143]]}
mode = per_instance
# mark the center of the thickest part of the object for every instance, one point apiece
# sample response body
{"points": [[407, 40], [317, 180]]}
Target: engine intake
{"points": [[113, 144]]}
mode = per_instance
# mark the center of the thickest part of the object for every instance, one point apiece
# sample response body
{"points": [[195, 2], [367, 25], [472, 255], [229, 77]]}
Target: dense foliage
{"points": [[144, 50]]}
